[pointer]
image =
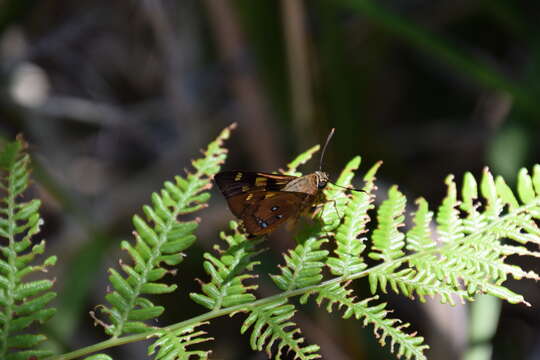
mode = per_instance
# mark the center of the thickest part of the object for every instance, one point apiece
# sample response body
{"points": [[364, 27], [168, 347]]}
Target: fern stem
{"points": [[12, 256], [287, 294]]}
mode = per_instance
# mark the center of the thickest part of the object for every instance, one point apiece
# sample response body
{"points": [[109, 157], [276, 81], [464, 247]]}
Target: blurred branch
{"points": [[81, 110], [256, 122], [299, 74], [437, 47], [174, 44]]}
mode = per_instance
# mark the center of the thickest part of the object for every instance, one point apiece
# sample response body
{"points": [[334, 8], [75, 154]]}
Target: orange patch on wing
{"points": [[260, 181]]}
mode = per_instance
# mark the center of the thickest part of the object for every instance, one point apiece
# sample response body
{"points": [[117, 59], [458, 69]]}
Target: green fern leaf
{"points": [[336, 198], [419, 237], [459, 255], [159, 241], [22, 302], [525, 187], [449, 223], [350, 244], [174, 345], [473, 255], [303, 267], [226, 287], [470, 205], [272, 326], [388, 241], [410, 281], [338, 295], [494, 205]]}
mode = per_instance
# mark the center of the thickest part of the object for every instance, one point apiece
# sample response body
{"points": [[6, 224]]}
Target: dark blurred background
{"points": [[115, 97]]}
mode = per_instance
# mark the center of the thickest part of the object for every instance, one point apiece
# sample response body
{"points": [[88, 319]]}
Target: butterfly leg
{"points": [[319, 212], [335, 208], [319, 209]]}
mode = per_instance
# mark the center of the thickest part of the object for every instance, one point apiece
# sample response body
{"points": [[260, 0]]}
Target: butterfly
{"points": [[264, 201]]}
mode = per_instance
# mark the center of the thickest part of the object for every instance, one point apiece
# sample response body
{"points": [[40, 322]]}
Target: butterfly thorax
{"points": [[309, 184]]}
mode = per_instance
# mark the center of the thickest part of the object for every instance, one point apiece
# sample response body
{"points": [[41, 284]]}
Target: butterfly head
{"points": [[322, 179]]}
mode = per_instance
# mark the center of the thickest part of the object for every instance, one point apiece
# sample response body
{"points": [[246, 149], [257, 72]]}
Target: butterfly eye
{"points": [[322, 184]]}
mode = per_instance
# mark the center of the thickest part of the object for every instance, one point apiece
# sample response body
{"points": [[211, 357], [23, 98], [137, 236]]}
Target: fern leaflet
{"points": [[174, 345], [22, 302], [226, 287], [409, 345], [303, 267], [349, 243], [159, 240], [388, 241], [271, 326]]}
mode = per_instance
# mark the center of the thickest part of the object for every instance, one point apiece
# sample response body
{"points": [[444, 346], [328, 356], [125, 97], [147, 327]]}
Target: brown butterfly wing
{"points": [[233, 183], [264, 212], [237, 186]]}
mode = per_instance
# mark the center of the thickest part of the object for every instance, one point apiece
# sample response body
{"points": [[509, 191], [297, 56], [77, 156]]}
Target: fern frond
{"points": [[472, 257], [22, 302], [449, 223], [336, 198], [226, 286], [463, 252], [272, 326], [410, 281], [174, 345], [474, 254], [339, 295], [159, 241], [350, 244], [388, 241], [349, 239], [303, 265], [419, 237]]}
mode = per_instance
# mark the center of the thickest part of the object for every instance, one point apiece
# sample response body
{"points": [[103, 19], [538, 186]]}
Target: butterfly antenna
{"points": [[347, 188], [324, 148]]}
